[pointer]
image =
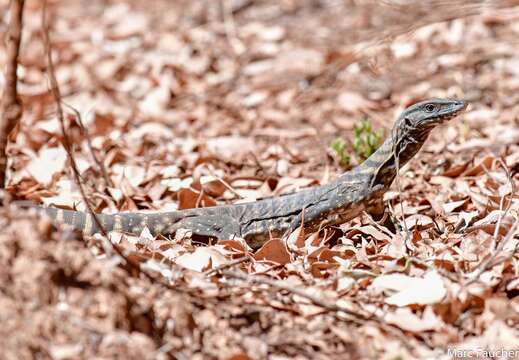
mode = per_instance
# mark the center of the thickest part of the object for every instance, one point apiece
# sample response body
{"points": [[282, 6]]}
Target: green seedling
{"points": [[339, 146], [365, 142], [365, 139]]}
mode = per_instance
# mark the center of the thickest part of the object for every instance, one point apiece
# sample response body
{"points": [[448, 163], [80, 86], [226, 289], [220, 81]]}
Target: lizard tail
{"points": [[79, 220], [85, 222], [165, 223]]}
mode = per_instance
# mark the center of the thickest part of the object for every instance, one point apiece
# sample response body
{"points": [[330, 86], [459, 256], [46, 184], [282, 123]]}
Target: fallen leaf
{"points": [[231, 147], [189, 199], [412, 290], [202, 259], [418, 221], [485, 164], [235, 246], [49, 162], [451, 206], [407, 320], [274, 250]]}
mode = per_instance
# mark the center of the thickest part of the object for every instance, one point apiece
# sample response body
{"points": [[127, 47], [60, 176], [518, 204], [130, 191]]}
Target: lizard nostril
{"points": [[462, 103]]}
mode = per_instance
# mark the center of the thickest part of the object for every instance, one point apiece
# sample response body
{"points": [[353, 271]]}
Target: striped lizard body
{"points": [[358, 190]]}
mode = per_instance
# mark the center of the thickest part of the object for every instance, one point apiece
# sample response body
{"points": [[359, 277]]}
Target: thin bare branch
{"points": [[227, 265], [493, 259], [10, 107], [322, 302], [132, 263], [319, 301], [96, 159], [503, 214]]}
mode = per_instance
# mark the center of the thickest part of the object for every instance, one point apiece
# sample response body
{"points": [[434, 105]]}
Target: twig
{"points": [[227, 265], [59, 109], [230, 28], [319, 301], [96, 159], [224, 183], [408, 24], [11, 107], [408, 243], [501, 202], [199, 198], [355, 317], [133, 264], [491, 261], [274, 266]]}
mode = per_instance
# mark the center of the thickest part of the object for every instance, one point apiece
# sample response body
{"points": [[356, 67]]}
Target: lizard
{"points": [[360, 189]]}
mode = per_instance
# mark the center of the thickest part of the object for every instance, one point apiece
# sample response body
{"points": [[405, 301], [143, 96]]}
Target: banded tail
{"points": [[131, 223]]}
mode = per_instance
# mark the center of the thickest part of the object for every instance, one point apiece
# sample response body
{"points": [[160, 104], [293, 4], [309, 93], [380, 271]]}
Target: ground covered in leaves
{"points": [[198, 103]]}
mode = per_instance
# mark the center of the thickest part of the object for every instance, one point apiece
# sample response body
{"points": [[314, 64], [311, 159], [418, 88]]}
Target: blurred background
{"points": [[302, 71]]}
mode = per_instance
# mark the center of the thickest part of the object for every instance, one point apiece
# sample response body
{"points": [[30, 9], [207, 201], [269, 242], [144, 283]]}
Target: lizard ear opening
{"points": [[408, 122]]}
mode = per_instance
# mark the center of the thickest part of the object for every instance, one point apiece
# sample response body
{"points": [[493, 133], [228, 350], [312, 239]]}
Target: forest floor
{"points": [[197, 103]]}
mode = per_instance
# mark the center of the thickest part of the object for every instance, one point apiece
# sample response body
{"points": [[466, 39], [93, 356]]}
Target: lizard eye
{"points": [[429, 107]]}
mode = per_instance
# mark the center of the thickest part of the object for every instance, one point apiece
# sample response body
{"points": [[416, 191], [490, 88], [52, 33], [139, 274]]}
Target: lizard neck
{"points": [[393, 154], [362, 188], [379, 170]]}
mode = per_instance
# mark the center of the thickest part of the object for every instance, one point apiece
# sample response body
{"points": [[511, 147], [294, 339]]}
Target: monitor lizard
{"points": [[360, 189]]}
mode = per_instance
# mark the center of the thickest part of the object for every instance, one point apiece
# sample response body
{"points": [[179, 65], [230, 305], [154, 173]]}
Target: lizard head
{"points": [[416, 122], [409, 134], [423, 116]]}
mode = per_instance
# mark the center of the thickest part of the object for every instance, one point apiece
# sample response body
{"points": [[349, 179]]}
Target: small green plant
{"points": [[365, 142], [365, 139], [339, 146]]}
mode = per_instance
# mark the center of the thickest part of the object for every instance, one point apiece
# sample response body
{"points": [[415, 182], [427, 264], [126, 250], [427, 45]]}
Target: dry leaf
{"points": [[451, 206], [274, 250], [483, 165], [48, 163], [412, 290], [202, 259], [407, 320], [189, 198]]}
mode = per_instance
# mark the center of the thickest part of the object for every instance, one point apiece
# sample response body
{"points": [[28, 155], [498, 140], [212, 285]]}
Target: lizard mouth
{"points": [[458, 107]]}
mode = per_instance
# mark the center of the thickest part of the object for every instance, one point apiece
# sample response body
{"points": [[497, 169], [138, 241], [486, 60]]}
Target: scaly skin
{"points": [[358, 190]]}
